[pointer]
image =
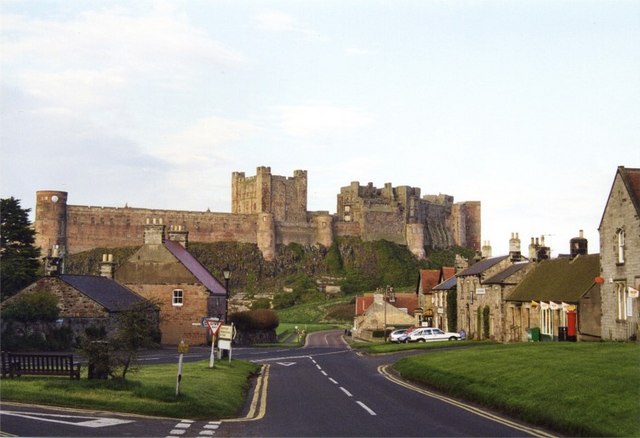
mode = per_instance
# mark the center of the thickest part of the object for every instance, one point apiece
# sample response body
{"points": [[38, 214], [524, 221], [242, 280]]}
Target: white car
{"points": [[398, 335], [428, 334]]}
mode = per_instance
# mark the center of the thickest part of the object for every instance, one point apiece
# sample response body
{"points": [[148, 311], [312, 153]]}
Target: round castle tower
{"points": [[51, 221]]}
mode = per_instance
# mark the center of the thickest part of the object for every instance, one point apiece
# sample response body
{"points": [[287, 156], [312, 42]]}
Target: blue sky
{"points": [[527, 106]]}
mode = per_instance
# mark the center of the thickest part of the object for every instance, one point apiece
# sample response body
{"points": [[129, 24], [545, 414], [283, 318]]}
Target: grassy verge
{"points": [[580, 389], [210, 393], [390, 347]]}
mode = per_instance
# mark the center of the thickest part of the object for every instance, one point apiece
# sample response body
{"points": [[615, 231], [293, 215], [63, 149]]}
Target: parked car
{"points": [[428, 334], [398, 335]]}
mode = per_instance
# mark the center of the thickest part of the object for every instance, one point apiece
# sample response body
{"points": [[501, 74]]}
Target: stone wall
{"points": [[620, 214], [268, 210]]}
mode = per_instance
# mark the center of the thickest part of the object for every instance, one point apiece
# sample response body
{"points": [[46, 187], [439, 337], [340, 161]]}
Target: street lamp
{"points": [[226, 273]]}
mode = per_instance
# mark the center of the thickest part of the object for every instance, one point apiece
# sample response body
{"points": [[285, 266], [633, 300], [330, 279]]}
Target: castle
{"points": [[269, 210]]}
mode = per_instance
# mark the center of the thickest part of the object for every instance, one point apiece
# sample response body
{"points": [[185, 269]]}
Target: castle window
{"points": [[177, 297], [620, 245]]}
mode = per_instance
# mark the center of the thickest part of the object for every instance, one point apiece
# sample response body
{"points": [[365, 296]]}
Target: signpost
{"points": [[226, 336], [213, 325], [182, 348]]}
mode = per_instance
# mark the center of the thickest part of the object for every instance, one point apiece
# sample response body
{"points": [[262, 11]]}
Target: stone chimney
{"points": [[178, 233], [107, 266], [514, 247], [486, 250], [154, 232], [53, 263]]}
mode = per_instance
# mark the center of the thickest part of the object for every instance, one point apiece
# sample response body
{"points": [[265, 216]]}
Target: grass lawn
{"points": [[580, 389], [381, 347], [210, 393]]}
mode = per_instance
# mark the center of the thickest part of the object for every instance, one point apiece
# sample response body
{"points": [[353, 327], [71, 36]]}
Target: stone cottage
{"points": [[376, 311], [86, 300], [620, 256], [163, 270], [432, 303], [560, 298]]}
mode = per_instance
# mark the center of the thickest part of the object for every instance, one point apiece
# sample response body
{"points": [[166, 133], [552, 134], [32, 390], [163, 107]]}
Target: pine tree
{"points": [[18, 256]]}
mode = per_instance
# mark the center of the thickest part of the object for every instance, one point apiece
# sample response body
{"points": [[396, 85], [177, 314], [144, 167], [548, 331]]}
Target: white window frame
{"points": [[546, 321], [620, 237], [622, 300], [177, 299]]}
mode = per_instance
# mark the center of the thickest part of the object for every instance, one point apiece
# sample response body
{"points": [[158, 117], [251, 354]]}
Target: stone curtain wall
{"points": [[268, 210]]}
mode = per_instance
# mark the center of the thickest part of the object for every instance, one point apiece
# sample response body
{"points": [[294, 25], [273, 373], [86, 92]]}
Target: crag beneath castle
{"points": [[270, 210]]}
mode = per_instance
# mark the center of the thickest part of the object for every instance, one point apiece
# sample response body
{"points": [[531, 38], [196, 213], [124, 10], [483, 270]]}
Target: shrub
{"points": [[261, 319], [261, 303], [31, 307]]}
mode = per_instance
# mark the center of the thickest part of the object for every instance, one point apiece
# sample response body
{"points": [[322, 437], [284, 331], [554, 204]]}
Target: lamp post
{"points": [[226, 273]]}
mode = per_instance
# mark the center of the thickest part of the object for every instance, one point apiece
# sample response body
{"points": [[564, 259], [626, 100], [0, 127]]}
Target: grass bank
{"points": [[580, 389], [390, 347], [210, 393]]}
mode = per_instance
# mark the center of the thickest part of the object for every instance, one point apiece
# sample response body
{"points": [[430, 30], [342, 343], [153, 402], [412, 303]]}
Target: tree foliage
{"points": [[18, 256], [32, 307]]}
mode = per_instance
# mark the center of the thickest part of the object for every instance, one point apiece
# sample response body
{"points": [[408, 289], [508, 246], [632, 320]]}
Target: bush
{"points": [[261, 303], [31, 307], [261, 319]]}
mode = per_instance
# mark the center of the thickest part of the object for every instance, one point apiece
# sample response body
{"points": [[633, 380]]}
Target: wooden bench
{"points": [[39, 364]]}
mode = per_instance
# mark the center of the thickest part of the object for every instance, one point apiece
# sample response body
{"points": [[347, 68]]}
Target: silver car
{"points": [[429, 334], [398, 335]]}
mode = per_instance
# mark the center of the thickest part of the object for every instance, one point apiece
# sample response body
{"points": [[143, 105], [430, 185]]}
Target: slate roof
{"points": [[193, 265], [502, 276], [481, 266], [631, 179], [560, 279], [449, 284], [105, 291]]}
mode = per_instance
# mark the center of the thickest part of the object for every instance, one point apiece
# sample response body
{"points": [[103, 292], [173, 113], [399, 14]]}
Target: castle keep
{"points": [[270, 210]]}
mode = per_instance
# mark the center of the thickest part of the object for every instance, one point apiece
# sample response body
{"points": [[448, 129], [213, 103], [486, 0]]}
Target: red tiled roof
{"points": [[407, 301], [429, 278], [447, 272]]}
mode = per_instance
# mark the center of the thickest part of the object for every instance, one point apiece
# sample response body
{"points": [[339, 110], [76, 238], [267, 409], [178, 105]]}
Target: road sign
{"points": [[226, 332]]}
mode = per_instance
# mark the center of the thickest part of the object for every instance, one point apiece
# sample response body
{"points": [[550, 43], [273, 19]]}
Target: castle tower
{"points": [[415, 240], [324, 229], [51, 221], [266, 236]]}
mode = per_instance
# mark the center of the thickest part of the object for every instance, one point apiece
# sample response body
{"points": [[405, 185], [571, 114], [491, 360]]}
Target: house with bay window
{"points": [[620, 257]]}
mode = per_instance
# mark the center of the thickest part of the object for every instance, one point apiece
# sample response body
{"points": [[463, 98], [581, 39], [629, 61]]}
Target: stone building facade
{"points": [[164, 272], [620, 257], [269, 210]]}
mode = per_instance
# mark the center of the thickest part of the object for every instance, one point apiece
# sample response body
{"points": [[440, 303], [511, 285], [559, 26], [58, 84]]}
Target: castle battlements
{"points": [[270, 210]]}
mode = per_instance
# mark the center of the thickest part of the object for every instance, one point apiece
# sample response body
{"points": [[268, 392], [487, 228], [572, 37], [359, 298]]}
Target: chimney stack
{"points": [[178, 233], [514, 247], [107, 266], [154, 232]]}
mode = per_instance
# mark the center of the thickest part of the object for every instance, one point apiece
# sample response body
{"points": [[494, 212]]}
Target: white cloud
{"points": [[319, 119], [357, 51], [206, 141], [275, 21]]}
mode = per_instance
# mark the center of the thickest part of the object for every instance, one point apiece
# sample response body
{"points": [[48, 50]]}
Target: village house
{"points": [[376, 312], [558, 300], [164, 271], [620, 257], [86, 301], [479, 307], [432, 304]]}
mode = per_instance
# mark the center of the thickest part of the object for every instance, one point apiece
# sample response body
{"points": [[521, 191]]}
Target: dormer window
{"points": [[177, 297], [620, 245]]}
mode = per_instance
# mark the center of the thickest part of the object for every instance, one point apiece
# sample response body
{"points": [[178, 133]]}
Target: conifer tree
{"points": [[18, 256]]}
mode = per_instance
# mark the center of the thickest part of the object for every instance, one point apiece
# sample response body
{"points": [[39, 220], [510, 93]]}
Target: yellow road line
{"points": [[383, 369], [259, 400]]}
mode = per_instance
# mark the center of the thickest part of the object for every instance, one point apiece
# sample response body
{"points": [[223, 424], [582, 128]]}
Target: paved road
{"points": [[324, 389]]}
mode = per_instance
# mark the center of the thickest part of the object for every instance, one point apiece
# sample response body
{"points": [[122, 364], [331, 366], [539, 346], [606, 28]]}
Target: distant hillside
{"points": [[360, 265]]}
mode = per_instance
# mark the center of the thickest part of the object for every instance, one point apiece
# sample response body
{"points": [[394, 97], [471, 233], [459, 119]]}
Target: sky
{"points": [[526, 106]]}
